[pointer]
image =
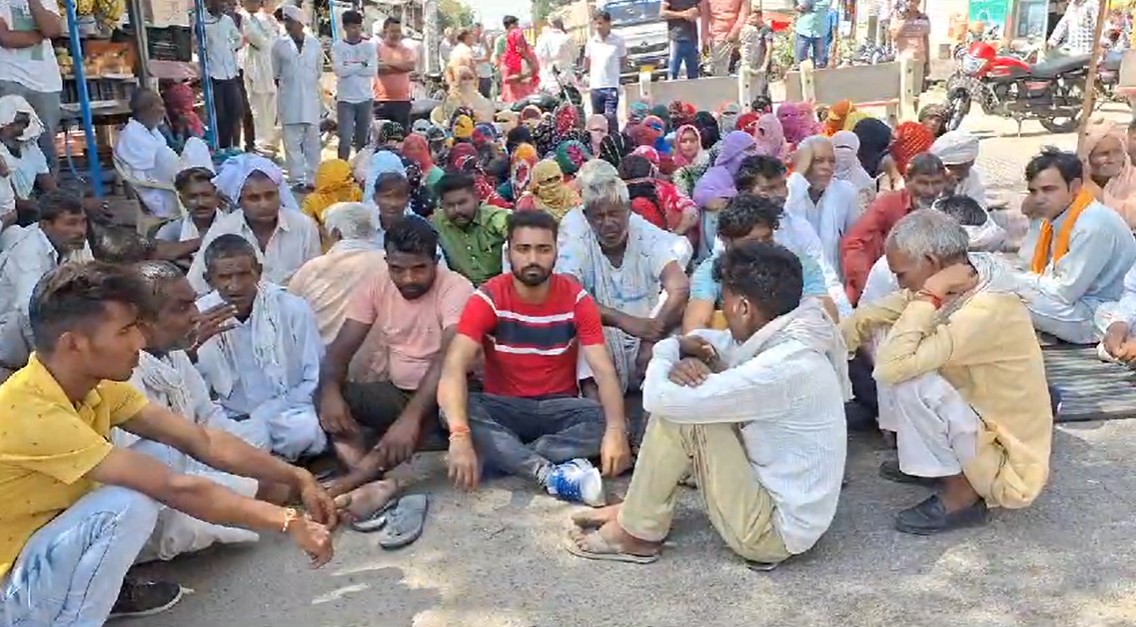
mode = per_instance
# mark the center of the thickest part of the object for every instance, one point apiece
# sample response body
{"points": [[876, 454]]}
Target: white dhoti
{"points": [[301, 151], [936, 430], [294, 432], [263, 106], [624, 351], [177, 532]]}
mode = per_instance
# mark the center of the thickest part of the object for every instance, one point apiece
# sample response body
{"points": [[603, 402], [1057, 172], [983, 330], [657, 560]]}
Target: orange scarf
{"points": [[1045, 240]]}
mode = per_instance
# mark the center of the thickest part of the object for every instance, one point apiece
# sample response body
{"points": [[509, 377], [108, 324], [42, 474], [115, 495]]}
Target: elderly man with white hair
{"points": [[967, 395], [831, 206], [330, 281], [958, 150], [634, 270]]}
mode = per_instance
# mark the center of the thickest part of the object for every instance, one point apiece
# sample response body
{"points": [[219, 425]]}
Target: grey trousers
{"points": [[353, 120], [46, 106]]}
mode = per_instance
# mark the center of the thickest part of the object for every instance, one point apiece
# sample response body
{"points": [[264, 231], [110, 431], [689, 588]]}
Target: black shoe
{"points": [[143, 598], [891, 472], [931, 517]]}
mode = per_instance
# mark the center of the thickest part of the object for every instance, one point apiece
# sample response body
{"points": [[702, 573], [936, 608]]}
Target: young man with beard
{"points": [[472, 234], [264, 367], [178, 240], [59, 237], [532, 326], [926, 182], [958, 361], [411, 308], [79, 509], [755, 413]]}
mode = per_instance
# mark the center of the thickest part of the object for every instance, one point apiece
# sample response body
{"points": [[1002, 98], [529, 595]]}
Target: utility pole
{"points": [[1091, 79]]}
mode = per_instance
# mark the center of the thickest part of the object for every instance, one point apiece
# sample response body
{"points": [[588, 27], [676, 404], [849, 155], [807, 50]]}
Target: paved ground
{"points": [[494, 559]]}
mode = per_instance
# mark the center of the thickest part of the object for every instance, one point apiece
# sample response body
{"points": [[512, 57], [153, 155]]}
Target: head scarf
{"points": [[570, 155], [728, 118], [854, 118], [837, 116], [614, 148], [707, 127], [956, 148], [334, 183], [1120, 191], [179, 101], [680, 159], [550, 192], [391, 132], [414, 147], [648, 153], [936, 112], [769, 136], [233, 173], [487, 131], [486, 192], [718, 182], [681, 113], [460, 151], [846, 147], [663, 113], [798, 120], [531, 115], [565, 119], [875, 140], [520, 168], [516, 137], [382, 162], [421, 126], [637, 112], [640, 177], [462, 127], [659, 126], [10, 106], [911, 138], [747, 123], [544, 138], [642, 135]]}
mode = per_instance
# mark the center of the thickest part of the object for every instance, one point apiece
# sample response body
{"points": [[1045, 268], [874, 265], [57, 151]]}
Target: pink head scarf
{"points": [[770, 136]]}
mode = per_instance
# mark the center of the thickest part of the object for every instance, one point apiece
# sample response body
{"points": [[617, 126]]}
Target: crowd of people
{"points": [[496, 290]]}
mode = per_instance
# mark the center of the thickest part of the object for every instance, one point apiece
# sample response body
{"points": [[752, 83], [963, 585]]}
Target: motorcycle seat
{"points": [[1053, 67], [543, 101]]}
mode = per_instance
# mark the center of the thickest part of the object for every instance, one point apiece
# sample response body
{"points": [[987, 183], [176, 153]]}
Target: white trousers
{"points": [[935, 429], [263, 108], [294, 432], [302, 151], [624, 351], [1078, 323]]}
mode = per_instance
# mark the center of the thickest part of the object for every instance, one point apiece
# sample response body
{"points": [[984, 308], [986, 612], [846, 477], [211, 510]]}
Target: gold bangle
{"points": [[290, 515]]}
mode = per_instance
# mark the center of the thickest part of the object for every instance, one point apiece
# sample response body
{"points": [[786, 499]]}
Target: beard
{"points": [[532, 275]]}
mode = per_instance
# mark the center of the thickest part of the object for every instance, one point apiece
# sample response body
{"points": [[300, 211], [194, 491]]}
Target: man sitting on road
{"points": [[60, 236], [1077, 251], [966, 379], [635, 271], [754, 413], [329, 282], [926, 182], [178, 240], [264, 367], [414, 305], [746, 218], [78, 509], [282, 238], [532, 326], [472, 234], [958, 150]]}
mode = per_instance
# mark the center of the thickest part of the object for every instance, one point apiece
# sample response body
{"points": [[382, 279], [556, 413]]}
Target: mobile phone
{"points": [[209, 301]]}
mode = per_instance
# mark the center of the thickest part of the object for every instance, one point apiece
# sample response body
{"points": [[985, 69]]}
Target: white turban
{"points": [[956, 148], [230, 180]]}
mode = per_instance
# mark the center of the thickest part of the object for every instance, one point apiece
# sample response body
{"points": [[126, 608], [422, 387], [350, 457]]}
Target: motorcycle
{"points": [[1007, 86], [565, 90]]}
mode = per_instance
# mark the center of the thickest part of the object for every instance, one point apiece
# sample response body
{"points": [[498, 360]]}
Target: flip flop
{"points": [[374, 521], [598, 549], [404, 521], [584, 521]]}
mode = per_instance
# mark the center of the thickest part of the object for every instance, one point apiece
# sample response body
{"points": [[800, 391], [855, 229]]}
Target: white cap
{"points": [[294, 13]]}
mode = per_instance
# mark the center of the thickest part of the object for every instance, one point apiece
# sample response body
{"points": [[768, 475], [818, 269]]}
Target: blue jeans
{"points": [[684, 51], [71, 570], [605, 101], [524, 437], [804, 44]]}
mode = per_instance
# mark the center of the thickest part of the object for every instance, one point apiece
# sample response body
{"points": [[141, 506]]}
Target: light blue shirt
{"points": [[704, 287], [814, 22]]}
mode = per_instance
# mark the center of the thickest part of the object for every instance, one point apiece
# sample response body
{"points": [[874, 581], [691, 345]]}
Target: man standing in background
{"points": [[222, 41], [355, 62], [911, 32], [721, 25], [446, 47], [605, 54], [27, 62], [392, 85], [810, 30], [555, 54], [260, 31], [682, 24], [297, 63], [1076, 31], [481, 53]]}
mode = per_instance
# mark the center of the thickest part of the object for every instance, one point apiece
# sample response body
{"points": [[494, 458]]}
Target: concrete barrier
{"points": [[706, 94], [889, 86]]}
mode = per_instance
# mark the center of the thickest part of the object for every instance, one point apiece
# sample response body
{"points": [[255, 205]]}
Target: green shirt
{"points": [[475, 251]]}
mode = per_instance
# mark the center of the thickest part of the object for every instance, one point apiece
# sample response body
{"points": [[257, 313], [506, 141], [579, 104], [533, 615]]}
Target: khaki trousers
{"points": [[739, 507]]}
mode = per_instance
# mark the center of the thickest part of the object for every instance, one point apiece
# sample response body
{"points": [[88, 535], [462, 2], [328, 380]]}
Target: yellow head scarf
{"points": [[335, 182], [852, 119], [552, 194], [463, 127]]}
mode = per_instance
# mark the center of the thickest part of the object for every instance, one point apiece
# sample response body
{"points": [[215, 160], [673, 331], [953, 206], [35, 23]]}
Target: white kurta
{"points": [[298, 104], [295, 242], [148, 158], [31, 256], [831, 217], [172, 382], [261, 31]]}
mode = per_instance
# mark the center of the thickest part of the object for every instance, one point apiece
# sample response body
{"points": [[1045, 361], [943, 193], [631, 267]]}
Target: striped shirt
{"points": [[531, 349]]}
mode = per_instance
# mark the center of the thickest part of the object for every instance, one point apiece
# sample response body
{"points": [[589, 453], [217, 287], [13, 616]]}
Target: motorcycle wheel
{"points": [[959, 105], [1067, 125], [1073, 94]]}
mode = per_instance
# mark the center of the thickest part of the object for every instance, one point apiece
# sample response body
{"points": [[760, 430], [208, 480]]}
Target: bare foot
{"points": [[365, 500], [594, 518], [616, 538], [348, 453]]}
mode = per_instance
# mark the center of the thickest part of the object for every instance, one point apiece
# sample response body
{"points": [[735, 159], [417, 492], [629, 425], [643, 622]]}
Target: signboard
{"points": [[989, 12], [164, 13]]}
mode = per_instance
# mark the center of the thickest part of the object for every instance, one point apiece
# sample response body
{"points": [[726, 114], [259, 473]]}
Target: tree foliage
{"points": [[454, 14], [541, 9]]}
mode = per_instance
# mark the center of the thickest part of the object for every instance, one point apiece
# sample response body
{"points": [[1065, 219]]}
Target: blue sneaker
{"points": [[577, 481]]}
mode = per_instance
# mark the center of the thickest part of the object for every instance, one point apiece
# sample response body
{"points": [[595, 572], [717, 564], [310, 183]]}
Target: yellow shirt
{"points": [[47, 445]]}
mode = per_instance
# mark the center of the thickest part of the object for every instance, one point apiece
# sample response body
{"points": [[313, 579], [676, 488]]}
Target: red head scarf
{"points": [[415, 148], [179, 102], [911, 138]]}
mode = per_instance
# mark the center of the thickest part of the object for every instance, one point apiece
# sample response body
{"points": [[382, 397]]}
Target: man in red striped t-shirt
{"points": [[532, 326]]}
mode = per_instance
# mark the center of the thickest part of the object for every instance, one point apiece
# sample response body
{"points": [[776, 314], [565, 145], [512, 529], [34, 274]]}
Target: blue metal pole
{"points": [[206, 84], [332, 5], [76, 45]]}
